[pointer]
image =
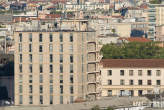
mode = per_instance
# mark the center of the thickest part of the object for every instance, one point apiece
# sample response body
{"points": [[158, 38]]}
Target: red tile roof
{"points": [[144, 6], [135, 39], [52, 16], [132, 63], [20, 19]]}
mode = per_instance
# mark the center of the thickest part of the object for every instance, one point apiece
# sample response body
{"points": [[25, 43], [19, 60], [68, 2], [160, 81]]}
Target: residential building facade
{"points": [[132, 77], [55, 67]]}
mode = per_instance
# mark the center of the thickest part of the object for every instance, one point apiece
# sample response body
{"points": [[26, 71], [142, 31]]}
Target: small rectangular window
{"points": [[71, 78], [61, 58], [121, 72], [109, 82], [40, 48], [20, 47], [158, 72], [139, 82], [51, 68], [158, 82], [71, 99], [51, 37], [20, 99], [140, 92], [71, 58], [41, 68], [149, 72], [61, 79], [61, 99], [20, 88], [61, 37], [20, 68], [51, 89], [71, 68], [30, 88], [20, 79], [61, 89], [30, 58], [51, 99], [30, 47], [148, 82], [50, 48], [131, 82], [40, 38], [41, 78], [30, 99], [20, 58], [130, 72], [51, 78], [109, 92], [122, 82], [41, 89], [40, 58], [41, 99], [30, 68], [51, 58], [71, 89], [61, 47], [71, 48], [61, 68], [30, 37], [30, 78], [71, 37], [109, 72], [20, 37], [139, 72]]}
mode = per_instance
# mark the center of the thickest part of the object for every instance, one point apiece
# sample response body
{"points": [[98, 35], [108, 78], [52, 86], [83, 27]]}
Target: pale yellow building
{"points": [[132, 77], [159, 14], [55, 67]]}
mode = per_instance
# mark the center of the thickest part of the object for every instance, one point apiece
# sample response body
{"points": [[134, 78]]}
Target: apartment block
{"points": [[55, 67], [155, 18], [132, 77]]}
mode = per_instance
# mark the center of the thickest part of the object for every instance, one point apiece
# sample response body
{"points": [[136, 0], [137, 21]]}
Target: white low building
{"points": [[132, 77]]}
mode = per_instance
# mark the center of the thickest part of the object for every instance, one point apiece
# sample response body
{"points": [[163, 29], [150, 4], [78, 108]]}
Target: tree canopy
{"points": [[132, 50], [155, 1]]}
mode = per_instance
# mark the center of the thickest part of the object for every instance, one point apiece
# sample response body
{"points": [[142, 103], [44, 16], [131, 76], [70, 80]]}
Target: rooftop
{"points": [[133, 63], [136, 39], [115, 102]]}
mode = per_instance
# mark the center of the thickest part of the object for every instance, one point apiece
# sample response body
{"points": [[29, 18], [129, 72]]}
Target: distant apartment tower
{"points": [[55, 67], [151, 21], [155, 18]]}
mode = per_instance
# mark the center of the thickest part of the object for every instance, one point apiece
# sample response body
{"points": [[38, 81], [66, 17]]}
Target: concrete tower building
{"points": [[56, 66]]}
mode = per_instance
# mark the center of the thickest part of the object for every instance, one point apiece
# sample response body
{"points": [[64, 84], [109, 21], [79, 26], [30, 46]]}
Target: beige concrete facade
{"points": [[159, 15], [115, 87], [76, 53]]}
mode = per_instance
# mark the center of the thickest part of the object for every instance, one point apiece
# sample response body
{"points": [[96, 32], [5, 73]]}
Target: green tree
{"points": [[109, 108], [96, 107], [132, 50], [155, 1]]}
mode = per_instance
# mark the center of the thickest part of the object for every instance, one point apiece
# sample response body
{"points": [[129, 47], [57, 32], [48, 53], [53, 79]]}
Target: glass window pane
{"points": [[41, 78], [40, 38], [51, 37], [61, 58], [61, 37], [20, 99], [50, 48], [51, 89], [30, 37], [61, 47]]}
